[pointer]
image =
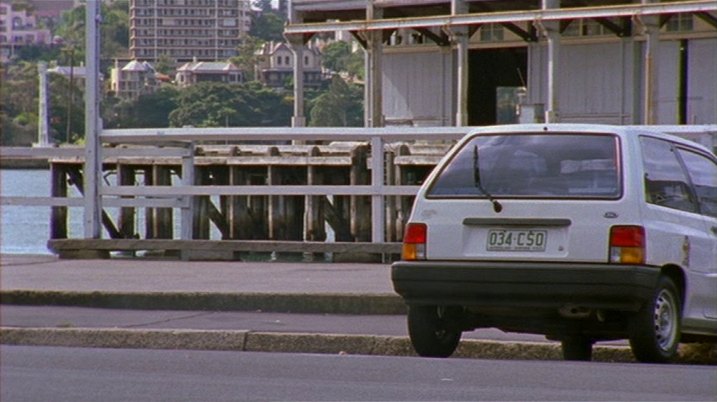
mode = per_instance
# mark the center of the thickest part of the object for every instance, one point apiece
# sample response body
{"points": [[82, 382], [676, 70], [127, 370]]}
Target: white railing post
{"points": [[378, 212], [187, 215]]}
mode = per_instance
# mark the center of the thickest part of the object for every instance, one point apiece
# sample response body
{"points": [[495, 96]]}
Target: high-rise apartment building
{"points": [[187, 29]]}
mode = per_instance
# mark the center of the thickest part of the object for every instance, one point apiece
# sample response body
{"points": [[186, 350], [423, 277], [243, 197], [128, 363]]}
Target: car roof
{"points": [[622, 131]]}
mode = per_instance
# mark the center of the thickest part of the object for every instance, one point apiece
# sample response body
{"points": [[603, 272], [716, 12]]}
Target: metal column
{"points": [[650, 27], [42, 128], [93, 160], [296, 43], [459, 36], [551, 31], [374, 81]]}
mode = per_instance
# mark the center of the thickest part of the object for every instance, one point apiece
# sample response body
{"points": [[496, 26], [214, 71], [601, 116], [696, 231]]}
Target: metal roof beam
{"points": [[628, 10], [708, 18]]}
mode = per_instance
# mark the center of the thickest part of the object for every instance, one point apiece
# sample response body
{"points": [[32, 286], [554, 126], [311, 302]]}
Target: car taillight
{"points": [[414, 242], [627, 245]]}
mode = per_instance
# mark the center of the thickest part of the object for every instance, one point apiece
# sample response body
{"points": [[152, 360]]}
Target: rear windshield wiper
{"points": [[497, 207]]}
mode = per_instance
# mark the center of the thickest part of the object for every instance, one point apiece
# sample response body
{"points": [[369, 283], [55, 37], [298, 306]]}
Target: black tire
{"points": [[654, 331], [430, 333], [577, 348]]}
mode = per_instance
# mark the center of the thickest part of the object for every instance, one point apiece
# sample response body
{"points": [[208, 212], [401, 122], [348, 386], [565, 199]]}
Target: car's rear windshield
{"points": [[530, 165]]}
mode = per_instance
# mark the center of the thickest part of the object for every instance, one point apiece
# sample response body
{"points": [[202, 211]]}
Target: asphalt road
{"points": [[74, 374]]}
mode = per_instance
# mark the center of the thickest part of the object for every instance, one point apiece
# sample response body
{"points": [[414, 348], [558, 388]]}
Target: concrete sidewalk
{"points": [[335, 295], [339, 288]]}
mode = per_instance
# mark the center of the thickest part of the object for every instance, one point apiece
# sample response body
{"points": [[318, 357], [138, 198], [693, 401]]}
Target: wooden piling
{"points": [[360, 208], [126, 176], [260, 217], [58, 188], [314, 210]]}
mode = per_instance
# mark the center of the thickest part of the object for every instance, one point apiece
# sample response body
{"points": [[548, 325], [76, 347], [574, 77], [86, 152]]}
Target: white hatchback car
{"points": [[582, 233]]}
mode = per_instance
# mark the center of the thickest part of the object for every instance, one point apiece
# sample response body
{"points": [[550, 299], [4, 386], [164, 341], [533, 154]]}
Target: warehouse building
{"points": [[480, 62]]}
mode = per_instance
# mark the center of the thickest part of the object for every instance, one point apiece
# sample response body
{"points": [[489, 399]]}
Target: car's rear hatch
{"points": [[525, 196]]}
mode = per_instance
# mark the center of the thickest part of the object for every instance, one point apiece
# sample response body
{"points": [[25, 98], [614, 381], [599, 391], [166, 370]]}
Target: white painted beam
{"points": [[626, 10]]}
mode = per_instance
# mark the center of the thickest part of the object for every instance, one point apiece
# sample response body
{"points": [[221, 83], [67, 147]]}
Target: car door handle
{"points": [[714, 229]]}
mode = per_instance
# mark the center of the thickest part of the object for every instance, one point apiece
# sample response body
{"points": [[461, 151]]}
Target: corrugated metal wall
{"points": [[418, 88], [595, 81], [598, 83], [668, 92], [702, 81]]}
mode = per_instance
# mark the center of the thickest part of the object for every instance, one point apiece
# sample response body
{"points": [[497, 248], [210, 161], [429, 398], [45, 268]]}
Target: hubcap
{"points": [[665, 318]]}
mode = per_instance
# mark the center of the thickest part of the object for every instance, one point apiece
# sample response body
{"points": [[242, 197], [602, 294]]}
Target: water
{"points": [[26, 229]]}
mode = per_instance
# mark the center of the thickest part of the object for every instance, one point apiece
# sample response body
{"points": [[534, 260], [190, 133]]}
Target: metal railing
{"points": [[180, 143]]}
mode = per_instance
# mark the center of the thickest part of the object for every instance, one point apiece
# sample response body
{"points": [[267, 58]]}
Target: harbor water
{"points": [[26, 229]]}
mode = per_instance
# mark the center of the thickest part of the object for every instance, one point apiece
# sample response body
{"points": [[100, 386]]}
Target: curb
{"points": [[329, 303], [247, 341]]}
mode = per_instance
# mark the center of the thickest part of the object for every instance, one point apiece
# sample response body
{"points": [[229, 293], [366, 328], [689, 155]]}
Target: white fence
{"points": [[180, 143]]}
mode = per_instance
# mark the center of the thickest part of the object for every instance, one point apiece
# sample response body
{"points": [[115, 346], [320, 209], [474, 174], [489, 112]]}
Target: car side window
{"points": [[703, 172], [666, 183]]}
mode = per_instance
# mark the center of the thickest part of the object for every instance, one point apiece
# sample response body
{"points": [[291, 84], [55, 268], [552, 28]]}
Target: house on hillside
{"points": [[19, 28], [202, 71], [53, 9], [133, 79], [276, 65]]}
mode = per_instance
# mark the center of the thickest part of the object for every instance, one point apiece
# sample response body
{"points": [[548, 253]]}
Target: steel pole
{"points": [[93, 165]]}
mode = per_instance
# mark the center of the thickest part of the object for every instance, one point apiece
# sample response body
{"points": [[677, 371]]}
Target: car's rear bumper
{"points": [[524, 284]]}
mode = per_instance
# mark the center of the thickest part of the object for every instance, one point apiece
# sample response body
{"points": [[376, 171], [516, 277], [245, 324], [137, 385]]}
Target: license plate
{"points": [[517, 240]]}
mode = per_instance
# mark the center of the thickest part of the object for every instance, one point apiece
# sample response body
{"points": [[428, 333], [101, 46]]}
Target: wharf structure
{"points": [[446, 62], [431, 65]]}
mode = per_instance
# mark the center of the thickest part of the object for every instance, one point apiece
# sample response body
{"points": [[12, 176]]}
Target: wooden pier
{"points": [[250, 223]]}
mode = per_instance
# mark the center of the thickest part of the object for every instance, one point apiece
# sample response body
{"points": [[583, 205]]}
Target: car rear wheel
{"points": [[577, 348], [429, 328], [655, 329]]}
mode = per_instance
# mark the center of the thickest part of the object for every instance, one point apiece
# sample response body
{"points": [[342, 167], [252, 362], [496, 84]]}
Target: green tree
{"points": [[165, 64], [39, 52], [71, 30], [150, 110], [340, 106], [208, 104], [335, 56], [268, 26], [114, 30], [355, 65], [338, 57], [18, 102], [66, 113], [246, 57]]}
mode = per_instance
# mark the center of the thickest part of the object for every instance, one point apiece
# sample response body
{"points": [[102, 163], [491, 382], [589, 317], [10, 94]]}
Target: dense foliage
{"points": [[210, 104], [202, 105]]}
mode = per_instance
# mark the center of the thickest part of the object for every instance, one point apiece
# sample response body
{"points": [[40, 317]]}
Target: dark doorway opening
{"points": [[488, 70], [682, 88]]}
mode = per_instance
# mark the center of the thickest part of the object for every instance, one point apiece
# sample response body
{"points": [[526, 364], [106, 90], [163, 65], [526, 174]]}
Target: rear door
{"points": [[702, 169]]}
